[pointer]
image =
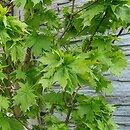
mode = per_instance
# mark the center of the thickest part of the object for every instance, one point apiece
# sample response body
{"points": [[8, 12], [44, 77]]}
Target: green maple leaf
{"points": [[76, 66], [3, 11], [25, 97], [45, 83], [4, 36], [17, 52], [20, 74], [61, 77], [9, 124], [84, 109], [123, 12], [51, 59], [38, 43], [54, 98], [119, 63], [88, 15], [4, 124], [17, 26], [14, 124], [4, 103]]}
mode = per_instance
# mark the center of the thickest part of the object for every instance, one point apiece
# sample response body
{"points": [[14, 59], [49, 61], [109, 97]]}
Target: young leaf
{"points": [[38, 43], [88, 15], [25, 97]]}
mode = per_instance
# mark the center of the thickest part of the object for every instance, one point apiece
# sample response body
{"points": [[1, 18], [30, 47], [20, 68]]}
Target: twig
{"points": [[63, 3], [8, 77], [70, 106], [27, 59], [74, 14], [118, 34], [9, 86], [70, 21], [64, 98], [39, 116], [91, 38], [72, 11], [66, 29]]}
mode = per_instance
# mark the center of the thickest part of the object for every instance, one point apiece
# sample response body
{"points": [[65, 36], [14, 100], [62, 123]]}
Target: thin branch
{"points": [[81, 31], [120, 32], [8, 77], [72, 11], [9, 86], [63, 3], [70, 20], [84, 8], [91, 38], [27, 59], [66, 29], [74, 14], [39, 116], [70, 106], [64, 98]]}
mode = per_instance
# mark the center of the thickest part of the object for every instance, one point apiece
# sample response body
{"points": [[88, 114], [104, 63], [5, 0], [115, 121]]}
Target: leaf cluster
{"points": [[46, 60]]}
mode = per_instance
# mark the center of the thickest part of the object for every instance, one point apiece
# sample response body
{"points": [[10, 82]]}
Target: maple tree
{"points": [[42, 68]]}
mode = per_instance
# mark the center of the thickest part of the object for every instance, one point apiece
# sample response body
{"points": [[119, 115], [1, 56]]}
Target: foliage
{"points": [[42, 68]]}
